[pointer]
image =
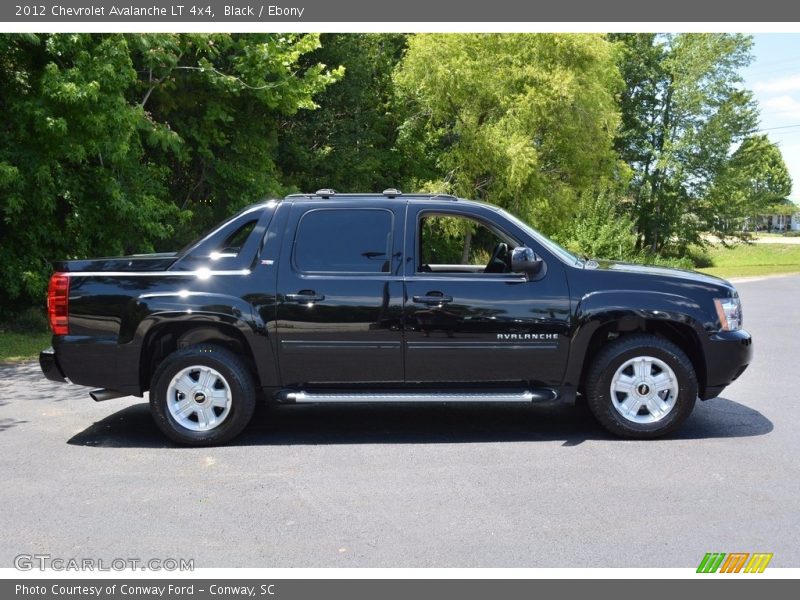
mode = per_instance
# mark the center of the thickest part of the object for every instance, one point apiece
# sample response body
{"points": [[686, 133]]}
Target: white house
{"points": [[778, 223]]}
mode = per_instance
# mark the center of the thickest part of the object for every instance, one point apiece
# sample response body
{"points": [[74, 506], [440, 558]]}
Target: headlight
{"points": [[729, 311]]}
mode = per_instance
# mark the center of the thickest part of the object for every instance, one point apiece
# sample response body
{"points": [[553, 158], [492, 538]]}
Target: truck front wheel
{"points": [[202, 396], [641, 386]]}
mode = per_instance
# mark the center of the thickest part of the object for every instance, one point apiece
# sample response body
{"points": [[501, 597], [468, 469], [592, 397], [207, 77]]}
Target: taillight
{"points": [[58, 303]]}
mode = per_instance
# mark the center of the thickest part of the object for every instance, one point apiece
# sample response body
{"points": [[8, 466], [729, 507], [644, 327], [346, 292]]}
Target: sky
{"points": [[774, 78]]}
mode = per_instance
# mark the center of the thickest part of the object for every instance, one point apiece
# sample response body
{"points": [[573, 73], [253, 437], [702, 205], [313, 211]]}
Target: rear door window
{"points": [[344, 240]]}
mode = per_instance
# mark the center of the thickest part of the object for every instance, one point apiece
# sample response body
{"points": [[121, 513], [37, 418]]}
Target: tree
{"points": [[115, 143], [348, 143], [754, 182], [73, 180], [525, 121], [224, 98], [683, 108]]}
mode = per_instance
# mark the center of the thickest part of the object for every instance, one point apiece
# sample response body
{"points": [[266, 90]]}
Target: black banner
{"points": [[298, 11], [407, 589]]}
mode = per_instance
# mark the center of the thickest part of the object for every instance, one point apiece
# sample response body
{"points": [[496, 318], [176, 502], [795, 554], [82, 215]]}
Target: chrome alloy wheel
{"points": [[199, 398], [644, 389]]}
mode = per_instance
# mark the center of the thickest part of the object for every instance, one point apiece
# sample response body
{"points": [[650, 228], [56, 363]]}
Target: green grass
{"points": [[15, 346], [754, 260]]}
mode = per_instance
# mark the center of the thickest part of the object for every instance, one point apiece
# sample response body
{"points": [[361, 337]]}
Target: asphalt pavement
{"points": [[414, 486]]}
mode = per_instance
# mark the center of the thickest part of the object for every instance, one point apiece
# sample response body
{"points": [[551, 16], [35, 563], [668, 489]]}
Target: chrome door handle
{"points": [[304, 296], [432, 299]]}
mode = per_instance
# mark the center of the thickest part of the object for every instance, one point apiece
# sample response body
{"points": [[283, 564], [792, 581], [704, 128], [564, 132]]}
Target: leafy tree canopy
{"points": [[524, 121], [683, 108], [115, 143]]}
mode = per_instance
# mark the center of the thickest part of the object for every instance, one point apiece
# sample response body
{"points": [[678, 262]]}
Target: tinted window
{"points": [[455, 240], [344, 240], [459, 241], [233, 244]]}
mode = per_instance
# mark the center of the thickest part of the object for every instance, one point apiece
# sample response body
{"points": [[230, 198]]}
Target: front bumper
{"points": [[50, 367], [728, 353]]}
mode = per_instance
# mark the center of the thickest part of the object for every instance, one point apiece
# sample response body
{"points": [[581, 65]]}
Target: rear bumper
{"points": [[93, 362], [728, 353], [49, 365]]}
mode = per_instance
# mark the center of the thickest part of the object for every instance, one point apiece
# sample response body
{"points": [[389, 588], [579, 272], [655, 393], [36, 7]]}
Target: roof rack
{"points": [[323, 193], [327, 193]]}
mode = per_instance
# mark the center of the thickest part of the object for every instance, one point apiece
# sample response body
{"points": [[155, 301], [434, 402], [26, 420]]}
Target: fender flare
{"points": [[147, 314], [602, 308]]}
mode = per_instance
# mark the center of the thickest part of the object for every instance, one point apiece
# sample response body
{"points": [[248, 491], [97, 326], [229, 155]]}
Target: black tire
{"points": [[235, 373], [617, 353]]}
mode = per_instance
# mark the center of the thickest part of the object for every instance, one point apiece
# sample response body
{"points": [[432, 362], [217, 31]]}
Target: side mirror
{"points": [[525, 260]]}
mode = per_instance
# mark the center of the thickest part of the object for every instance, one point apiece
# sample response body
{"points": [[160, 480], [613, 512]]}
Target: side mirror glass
{"points": [[525, 260]]}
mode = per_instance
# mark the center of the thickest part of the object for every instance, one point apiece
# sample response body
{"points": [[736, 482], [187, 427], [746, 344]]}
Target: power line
{"points": [[787, 64], [786, 71], [775, 128], [759, 65], [761, 70], [784, 135]]}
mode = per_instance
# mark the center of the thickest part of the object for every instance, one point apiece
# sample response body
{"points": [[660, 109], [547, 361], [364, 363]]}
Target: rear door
{"points": [[340, 293]]}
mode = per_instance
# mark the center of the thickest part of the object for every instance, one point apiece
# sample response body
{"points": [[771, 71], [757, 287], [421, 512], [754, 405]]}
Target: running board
{"points": [[539, 395]]}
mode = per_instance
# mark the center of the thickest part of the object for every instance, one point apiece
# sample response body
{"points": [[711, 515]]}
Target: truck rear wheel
{"points": [[202, 396], [641, 386]]}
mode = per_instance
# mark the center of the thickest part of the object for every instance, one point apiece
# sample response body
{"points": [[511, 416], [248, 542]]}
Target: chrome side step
{"points": [[304, 397]]}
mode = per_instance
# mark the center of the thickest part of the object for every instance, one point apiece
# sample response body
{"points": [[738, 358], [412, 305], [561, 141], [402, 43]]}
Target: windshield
{"points": [[561, 252]]}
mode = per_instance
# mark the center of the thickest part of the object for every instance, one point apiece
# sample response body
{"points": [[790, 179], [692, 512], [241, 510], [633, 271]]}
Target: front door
{"points": [[340, 294], [468, 319]]}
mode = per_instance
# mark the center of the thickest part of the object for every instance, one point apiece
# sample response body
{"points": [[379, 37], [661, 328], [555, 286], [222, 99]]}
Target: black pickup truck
{"points": [[389, 297]]}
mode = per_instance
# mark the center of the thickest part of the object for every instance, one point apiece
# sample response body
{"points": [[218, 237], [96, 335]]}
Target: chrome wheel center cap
{"points": [[199, 398], [644, 389]]}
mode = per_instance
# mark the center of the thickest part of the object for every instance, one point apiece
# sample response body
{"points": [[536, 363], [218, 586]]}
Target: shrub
{"points": [[599, 230], [29, 320], [673, 262], [699, 257]]}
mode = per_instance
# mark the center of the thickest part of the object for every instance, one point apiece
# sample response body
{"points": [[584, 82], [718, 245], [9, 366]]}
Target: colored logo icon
{"points": [[735, 562]]}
